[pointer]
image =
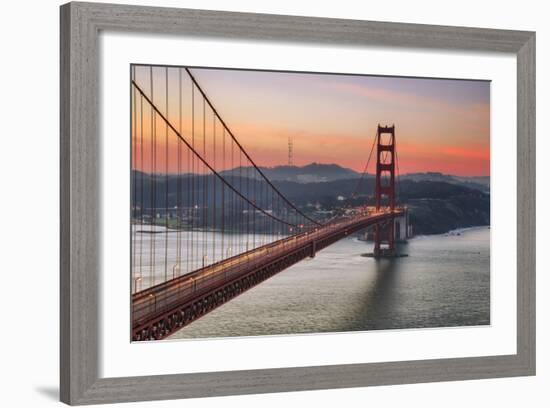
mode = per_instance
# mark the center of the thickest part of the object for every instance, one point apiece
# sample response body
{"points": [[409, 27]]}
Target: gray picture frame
{"points": [[80, 237]]}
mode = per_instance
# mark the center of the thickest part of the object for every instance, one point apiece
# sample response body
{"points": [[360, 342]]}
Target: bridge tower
{"points": [[384, 235]]}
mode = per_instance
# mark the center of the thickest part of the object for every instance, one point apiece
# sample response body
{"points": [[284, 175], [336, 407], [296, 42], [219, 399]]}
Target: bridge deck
{"points": [[162, 309]]}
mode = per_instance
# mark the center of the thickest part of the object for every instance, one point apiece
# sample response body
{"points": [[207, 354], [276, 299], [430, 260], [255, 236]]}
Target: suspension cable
{"points": [[363, 174], [398, 172], [205, 163], [245, 153]]}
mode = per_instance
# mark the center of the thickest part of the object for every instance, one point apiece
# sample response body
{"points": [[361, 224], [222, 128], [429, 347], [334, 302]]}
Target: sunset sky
{"points": [[441, 125]]}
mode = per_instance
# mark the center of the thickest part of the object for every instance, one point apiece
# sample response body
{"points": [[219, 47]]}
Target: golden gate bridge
{"points": [[207, 224]]}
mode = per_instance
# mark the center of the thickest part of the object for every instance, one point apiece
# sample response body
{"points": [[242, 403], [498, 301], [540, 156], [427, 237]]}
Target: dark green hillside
{"points": [[435, 206]]}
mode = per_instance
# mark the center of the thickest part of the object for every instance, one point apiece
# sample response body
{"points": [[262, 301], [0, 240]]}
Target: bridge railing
{"points": [[158, 298]]}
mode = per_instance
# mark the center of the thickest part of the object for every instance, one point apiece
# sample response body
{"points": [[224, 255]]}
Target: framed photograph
{"points": [[259, 203]]}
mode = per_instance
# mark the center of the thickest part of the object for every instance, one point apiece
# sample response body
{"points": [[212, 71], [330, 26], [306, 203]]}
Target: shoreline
{"points": [[454, 232]]}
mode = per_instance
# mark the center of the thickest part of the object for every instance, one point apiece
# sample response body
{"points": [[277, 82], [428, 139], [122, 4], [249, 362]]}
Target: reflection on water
{"points": [[443, 282]]}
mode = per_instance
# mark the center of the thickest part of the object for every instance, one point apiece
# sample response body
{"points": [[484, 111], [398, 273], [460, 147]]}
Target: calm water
{"points": [[160, 261], [443, 282]]}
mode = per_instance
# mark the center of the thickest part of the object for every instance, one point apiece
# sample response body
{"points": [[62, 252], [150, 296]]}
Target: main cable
{"points": [[245, 153], [205, 163]]}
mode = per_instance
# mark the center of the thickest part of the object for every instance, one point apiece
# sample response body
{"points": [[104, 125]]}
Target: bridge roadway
{"points": [[163, 309]]}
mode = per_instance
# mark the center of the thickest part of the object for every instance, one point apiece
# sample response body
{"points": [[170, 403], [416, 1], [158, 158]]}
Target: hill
{"points": [[310, 173], [435, 206]]}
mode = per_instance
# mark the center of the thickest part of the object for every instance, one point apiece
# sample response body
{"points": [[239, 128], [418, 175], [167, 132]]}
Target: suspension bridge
{"points": [[207, 224]]}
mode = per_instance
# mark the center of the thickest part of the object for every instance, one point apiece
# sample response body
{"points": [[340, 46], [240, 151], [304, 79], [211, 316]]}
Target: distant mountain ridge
{"points": [[310, 173], [435, 206], [481, 183], [324, 173]]}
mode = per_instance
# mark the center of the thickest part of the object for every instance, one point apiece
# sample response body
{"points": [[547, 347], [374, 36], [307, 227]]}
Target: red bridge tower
{"points": [[384, 235]]}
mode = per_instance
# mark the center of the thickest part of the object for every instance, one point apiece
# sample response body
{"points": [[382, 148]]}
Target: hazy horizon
{"points": [[324, 164], [442, 125]]}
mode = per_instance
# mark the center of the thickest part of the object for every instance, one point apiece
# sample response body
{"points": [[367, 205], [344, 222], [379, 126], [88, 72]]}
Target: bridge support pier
{"points": [[313, 249], [387, 235], [384, 239]]}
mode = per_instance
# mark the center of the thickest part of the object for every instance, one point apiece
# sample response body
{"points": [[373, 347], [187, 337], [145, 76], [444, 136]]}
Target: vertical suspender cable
{"points": [[142, 193], [189, 212], [152, 188], [193, 205], [223, 196], [204, 188], [178, 180], [166, 181], [133, 167], [214, 192]]}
